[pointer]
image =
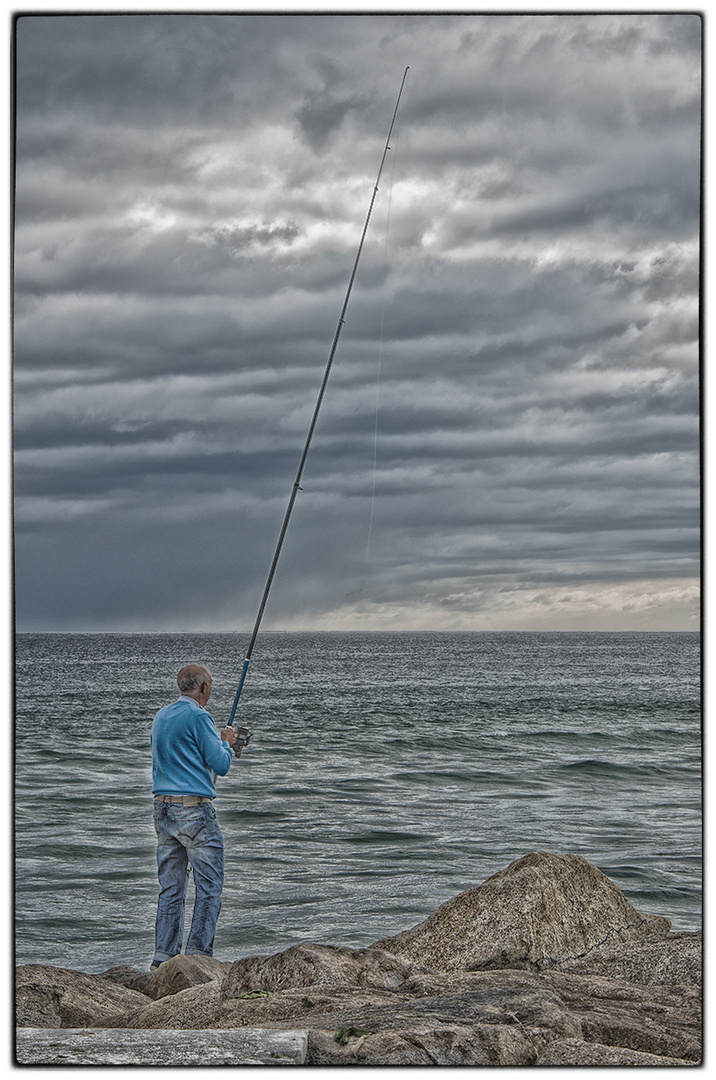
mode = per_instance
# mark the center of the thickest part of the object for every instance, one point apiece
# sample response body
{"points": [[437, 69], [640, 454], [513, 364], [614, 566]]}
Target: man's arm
{"points": [[211, 747]]}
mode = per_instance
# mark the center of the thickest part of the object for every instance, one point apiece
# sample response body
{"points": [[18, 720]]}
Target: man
{"points": [[187, 754]]}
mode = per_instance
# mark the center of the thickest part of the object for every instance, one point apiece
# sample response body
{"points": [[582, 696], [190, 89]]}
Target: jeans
{"points": [[187, 836]]}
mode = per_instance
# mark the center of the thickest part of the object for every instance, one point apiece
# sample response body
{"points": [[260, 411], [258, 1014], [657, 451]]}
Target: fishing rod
{"points": [[243, 734]]}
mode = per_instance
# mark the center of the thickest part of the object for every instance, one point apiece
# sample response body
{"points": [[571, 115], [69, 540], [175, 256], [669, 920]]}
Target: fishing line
{"points": [[243, 735], [380, 353]]}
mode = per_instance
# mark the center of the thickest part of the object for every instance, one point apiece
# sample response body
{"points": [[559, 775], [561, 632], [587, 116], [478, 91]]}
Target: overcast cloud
{"points": [[510, 436]]}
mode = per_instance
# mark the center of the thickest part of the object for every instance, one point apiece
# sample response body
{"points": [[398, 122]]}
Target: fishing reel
{"points": [[242, 739]]}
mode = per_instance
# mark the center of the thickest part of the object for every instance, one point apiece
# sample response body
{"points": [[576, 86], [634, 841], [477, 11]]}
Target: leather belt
{"points": [[182, 800]]}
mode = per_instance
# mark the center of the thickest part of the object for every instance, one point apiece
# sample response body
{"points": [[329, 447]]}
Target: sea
{"points": [[386, 773]]}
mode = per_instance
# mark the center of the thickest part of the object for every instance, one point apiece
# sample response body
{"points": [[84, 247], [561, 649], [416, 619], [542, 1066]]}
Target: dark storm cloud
{"points": [[510, 436]]}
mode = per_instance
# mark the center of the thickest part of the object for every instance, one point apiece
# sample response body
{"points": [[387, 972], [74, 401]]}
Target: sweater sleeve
{"points": [[215, 753]]}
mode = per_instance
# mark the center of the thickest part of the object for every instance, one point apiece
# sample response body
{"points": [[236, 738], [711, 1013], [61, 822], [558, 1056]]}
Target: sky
{"points": [[509, 438]]}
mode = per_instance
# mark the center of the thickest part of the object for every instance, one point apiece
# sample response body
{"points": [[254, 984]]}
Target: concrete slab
{"points": [[145, 1046]]}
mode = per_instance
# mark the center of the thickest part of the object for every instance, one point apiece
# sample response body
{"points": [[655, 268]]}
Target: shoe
{"points": [[156, 965]]}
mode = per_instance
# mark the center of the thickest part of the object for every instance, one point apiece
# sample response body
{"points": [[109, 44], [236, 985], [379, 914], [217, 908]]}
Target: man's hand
{"points": [[228, 735]]}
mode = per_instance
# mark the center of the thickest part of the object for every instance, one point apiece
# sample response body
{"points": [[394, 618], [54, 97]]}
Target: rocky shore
{"points": [[546, 963]]}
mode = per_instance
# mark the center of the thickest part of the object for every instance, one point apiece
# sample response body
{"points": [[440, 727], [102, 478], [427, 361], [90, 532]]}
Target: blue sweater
{"points": [[187, 752]]}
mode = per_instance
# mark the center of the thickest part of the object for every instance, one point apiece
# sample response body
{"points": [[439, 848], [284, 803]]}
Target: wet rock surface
{"points": [[611, 987]]}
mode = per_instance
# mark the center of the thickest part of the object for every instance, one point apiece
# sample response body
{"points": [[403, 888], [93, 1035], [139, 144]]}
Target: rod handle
{"points": [[245, 668]]}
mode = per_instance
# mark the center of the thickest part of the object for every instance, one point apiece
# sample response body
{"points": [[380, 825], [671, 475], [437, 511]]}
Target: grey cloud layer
{"points": [[189, 195]]}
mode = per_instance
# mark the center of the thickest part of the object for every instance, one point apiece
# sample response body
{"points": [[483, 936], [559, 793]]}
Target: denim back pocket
{"points": [[191, 820]]}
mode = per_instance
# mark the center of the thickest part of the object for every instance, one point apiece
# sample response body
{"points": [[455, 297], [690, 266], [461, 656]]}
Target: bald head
{"points": [[194, 680]]}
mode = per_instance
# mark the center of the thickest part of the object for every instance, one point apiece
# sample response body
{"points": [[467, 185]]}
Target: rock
{"points": [[52, 997], [37, 1006], [332, 1006], [429, 1044], [544, 964], [674, 960], [507, 1017], [310, 964], [663, 1020], [541, 1007], [578, 1052], [541, 911], [179, 973], [129, 976], [495, 1018], [182, 972], [512, 1018], [187, 1009], [95, 1046]]}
